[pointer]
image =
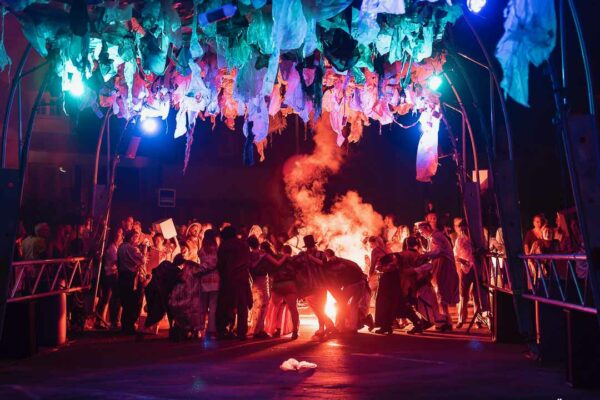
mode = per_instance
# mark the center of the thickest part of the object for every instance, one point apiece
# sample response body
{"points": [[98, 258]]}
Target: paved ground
{"points": [[431, 366]]}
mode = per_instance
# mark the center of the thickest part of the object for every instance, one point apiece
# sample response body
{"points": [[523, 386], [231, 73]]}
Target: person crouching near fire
{"points": [[317, 299], [400, 267], [348, 285]]}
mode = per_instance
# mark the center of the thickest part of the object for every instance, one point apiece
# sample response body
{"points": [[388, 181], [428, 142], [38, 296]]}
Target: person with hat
{"points": [[317, 300], [445, 278]]}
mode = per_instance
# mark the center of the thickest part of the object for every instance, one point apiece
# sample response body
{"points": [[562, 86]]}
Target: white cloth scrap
{"points": [[294, 365]]}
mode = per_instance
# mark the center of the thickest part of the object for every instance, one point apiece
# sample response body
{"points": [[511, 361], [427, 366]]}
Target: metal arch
{"points": [[584, 57], [25, 150], [13, 87], [494, 75], [16, 194]]}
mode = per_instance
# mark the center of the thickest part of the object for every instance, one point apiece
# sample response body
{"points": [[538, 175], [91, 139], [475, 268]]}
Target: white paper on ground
{"points": [[294, 365]]}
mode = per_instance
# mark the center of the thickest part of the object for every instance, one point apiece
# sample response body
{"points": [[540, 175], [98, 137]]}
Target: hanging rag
{"points": [[529, 37]]}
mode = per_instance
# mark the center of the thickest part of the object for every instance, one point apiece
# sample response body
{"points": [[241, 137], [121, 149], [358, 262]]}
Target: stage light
{"points": [[72, 80], [434, 82], [476, 5], [77, 87], [150, 126]]}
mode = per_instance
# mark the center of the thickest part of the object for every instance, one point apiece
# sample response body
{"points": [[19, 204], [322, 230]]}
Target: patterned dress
{"points": [[185, 301]]}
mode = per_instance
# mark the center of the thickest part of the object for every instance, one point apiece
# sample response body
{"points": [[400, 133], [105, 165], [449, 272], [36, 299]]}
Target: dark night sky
{"points": [[381, 166]]}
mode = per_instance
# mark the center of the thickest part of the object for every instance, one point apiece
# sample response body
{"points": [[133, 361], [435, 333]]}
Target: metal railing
{"points": [[30, 280], [560, 280], [497, 273], [556, 279]]}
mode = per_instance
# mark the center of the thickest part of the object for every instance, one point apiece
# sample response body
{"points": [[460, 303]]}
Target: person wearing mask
{"points": [[130, 263], [235, 297], [445, 277], [110, 284], [209, 283]]}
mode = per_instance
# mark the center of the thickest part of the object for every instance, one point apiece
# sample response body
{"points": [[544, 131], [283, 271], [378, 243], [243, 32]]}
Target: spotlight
{"points": [[72, 80], [434, 82], [476, 5], [77, 88], [150, 126]]}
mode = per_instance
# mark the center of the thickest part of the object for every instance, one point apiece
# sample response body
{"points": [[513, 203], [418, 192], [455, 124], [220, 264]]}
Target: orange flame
{"points": [[349, 220]]}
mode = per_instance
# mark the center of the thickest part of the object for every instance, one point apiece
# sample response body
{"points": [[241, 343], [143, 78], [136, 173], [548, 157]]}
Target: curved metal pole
{"points": [[97, 161], [584, 57], [510, 221], [25, 150], [9, 103], [493, 73], [104, 236], [99, 145], [469, 129]]}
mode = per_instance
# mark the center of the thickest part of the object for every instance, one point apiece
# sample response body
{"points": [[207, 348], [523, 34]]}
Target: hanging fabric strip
{"points": [[4, 58]]}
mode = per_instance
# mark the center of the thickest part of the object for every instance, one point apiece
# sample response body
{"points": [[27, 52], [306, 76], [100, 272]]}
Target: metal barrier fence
{"points": [[30, 280], [560, 280], [556, 279], [496, 272]]}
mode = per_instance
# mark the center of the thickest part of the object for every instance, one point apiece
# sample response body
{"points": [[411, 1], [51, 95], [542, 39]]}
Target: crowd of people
{"points": [[226, 282], [206, 280]]}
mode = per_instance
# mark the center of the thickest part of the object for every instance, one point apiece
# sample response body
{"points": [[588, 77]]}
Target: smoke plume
{"points": [[349, 220]]}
